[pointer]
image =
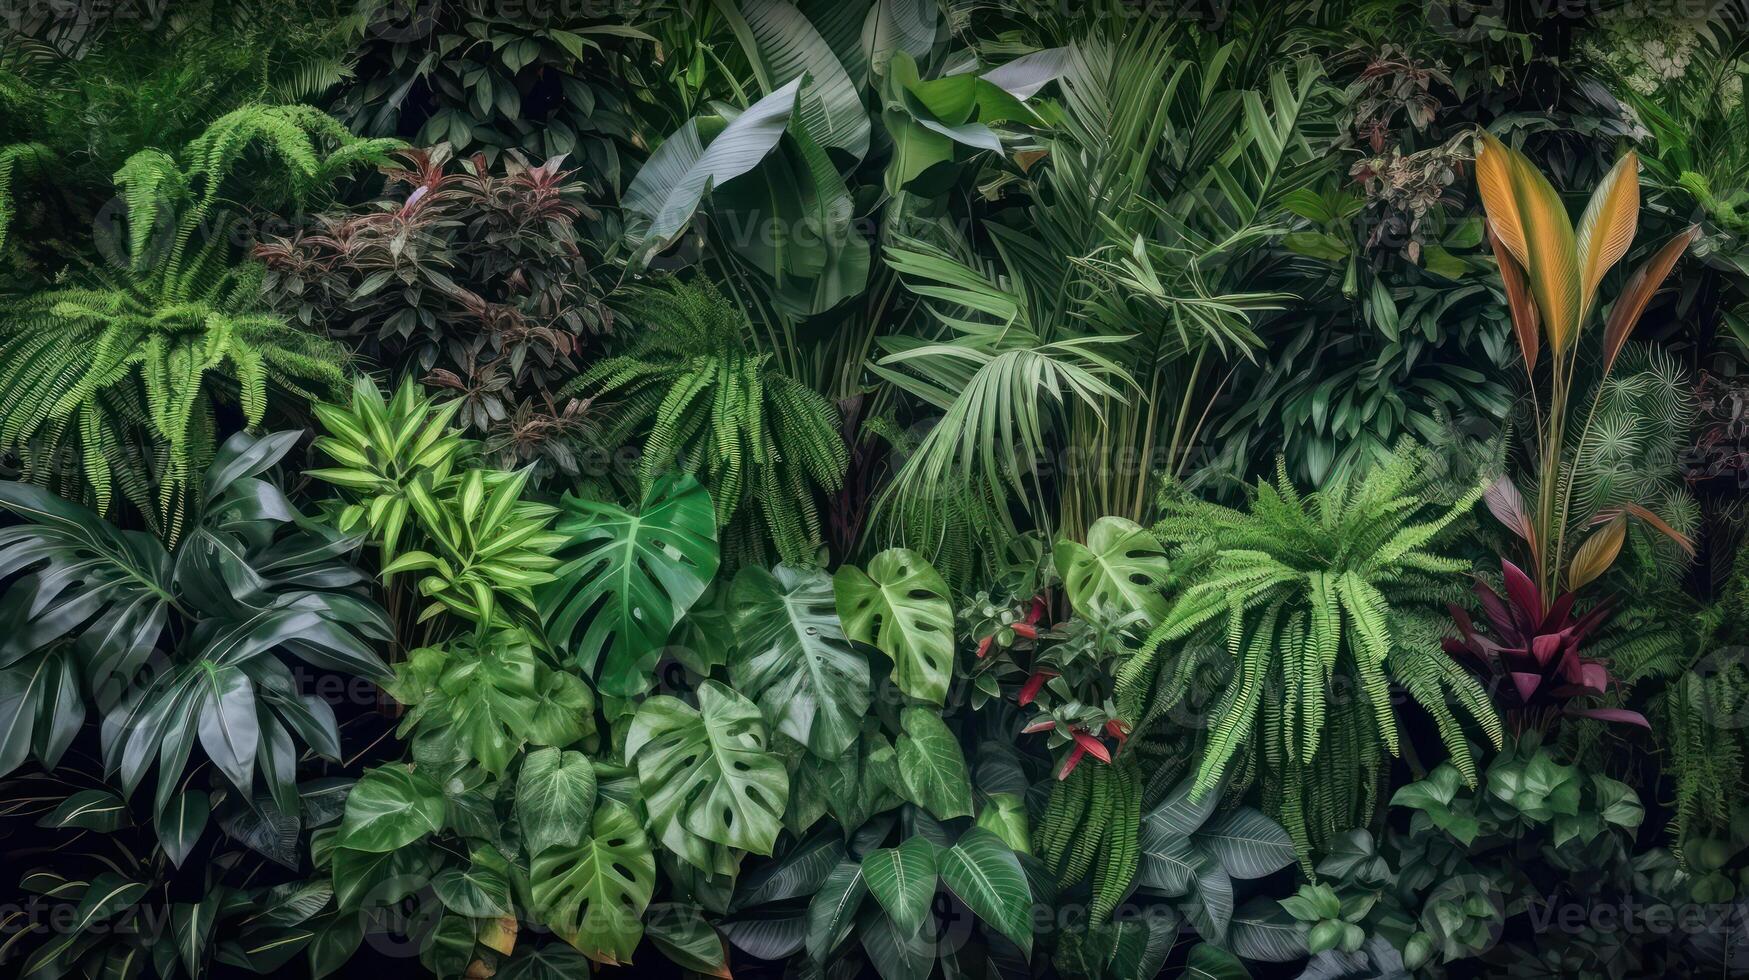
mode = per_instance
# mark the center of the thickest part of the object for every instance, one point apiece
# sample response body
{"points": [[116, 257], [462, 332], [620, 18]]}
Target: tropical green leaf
{"points": [[793, 659], [708, 772], [594, 894], [902, 879], [555, 796], [628, 578], [932, 766], [390, 807], [983, 872], [1122, 568], [900, 605]]}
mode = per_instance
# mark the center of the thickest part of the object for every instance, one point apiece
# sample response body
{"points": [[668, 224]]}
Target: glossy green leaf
{"points": [[708, 772], [594, 894], [902, 880], [628, 578], [983, 872], [390, 807], [900, 605], [555, 797], [932, 766], [792, 658]]}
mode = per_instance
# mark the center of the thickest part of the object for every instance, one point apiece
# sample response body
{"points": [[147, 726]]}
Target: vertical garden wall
{"points": [[874, 488]]}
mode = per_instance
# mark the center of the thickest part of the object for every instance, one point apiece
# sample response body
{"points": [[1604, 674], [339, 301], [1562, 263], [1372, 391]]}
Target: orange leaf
{"points": [[1657, 523], [1606, 229], [1519, 302], [1635, 296], [1597, 553]]}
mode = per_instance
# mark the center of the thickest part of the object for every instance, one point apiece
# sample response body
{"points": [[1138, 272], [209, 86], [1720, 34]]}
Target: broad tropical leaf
{"points": [[593, 894], [628, 578], [902, 880], [555, 797], [793, 659], [1121, 568], [984, 873], [932, 766], [900, 605], [708, 772]]}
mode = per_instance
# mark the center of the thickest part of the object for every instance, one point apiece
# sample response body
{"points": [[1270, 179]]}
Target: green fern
{"points": [[1290, 599], [1090, 828], [19, 159], [762, 442], [86, 370]]}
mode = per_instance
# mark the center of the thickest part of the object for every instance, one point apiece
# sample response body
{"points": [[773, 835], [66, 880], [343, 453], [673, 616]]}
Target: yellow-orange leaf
{"points": [[1551, 252], [1494, 180], [1597, 553], [1642, 285], [1606, 229], [499, 934]]}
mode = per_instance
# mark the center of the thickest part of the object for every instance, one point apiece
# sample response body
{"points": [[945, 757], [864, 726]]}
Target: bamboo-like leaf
{"points": [[1638, 293]]}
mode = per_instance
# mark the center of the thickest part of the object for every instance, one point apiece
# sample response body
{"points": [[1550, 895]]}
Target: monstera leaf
{"points": [[1121, 568], [632, 576], [708, 773], [900, 605], [793, 659], [594, 894]]}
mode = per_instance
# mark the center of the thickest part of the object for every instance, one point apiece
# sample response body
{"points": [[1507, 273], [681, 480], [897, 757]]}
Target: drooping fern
{"points": [[138, 353], [711, 404], [1090, 828], [1299, 601], [19, 159]]}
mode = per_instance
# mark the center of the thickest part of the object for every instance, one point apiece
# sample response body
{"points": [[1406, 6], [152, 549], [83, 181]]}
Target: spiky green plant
{"points": [[142, 352], [1295, 603], [713, 405]]}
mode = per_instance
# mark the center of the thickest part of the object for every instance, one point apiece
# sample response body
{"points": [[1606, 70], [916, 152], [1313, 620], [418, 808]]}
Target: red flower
{"points": [[1072, 761], [1030, 689]]}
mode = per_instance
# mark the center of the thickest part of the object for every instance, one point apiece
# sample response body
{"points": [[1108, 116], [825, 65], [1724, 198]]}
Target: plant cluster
{"points": [[873, 488]]}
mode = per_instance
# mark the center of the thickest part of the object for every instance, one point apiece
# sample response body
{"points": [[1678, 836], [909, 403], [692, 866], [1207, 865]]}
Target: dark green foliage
{"points": [[1288, 595], [704, 399], [473, 275], [123, 371]]}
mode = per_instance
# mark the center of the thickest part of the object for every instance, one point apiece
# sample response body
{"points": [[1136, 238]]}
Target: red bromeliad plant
{"points": [[1551, 272], [1532, 653]]}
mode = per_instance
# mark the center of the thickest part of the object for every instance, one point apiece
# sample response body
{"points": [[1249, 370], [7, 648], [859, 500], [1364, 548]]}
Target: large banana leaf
{"points": [[784, 47], [628, 578], [705, 153], [792, 658]]}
